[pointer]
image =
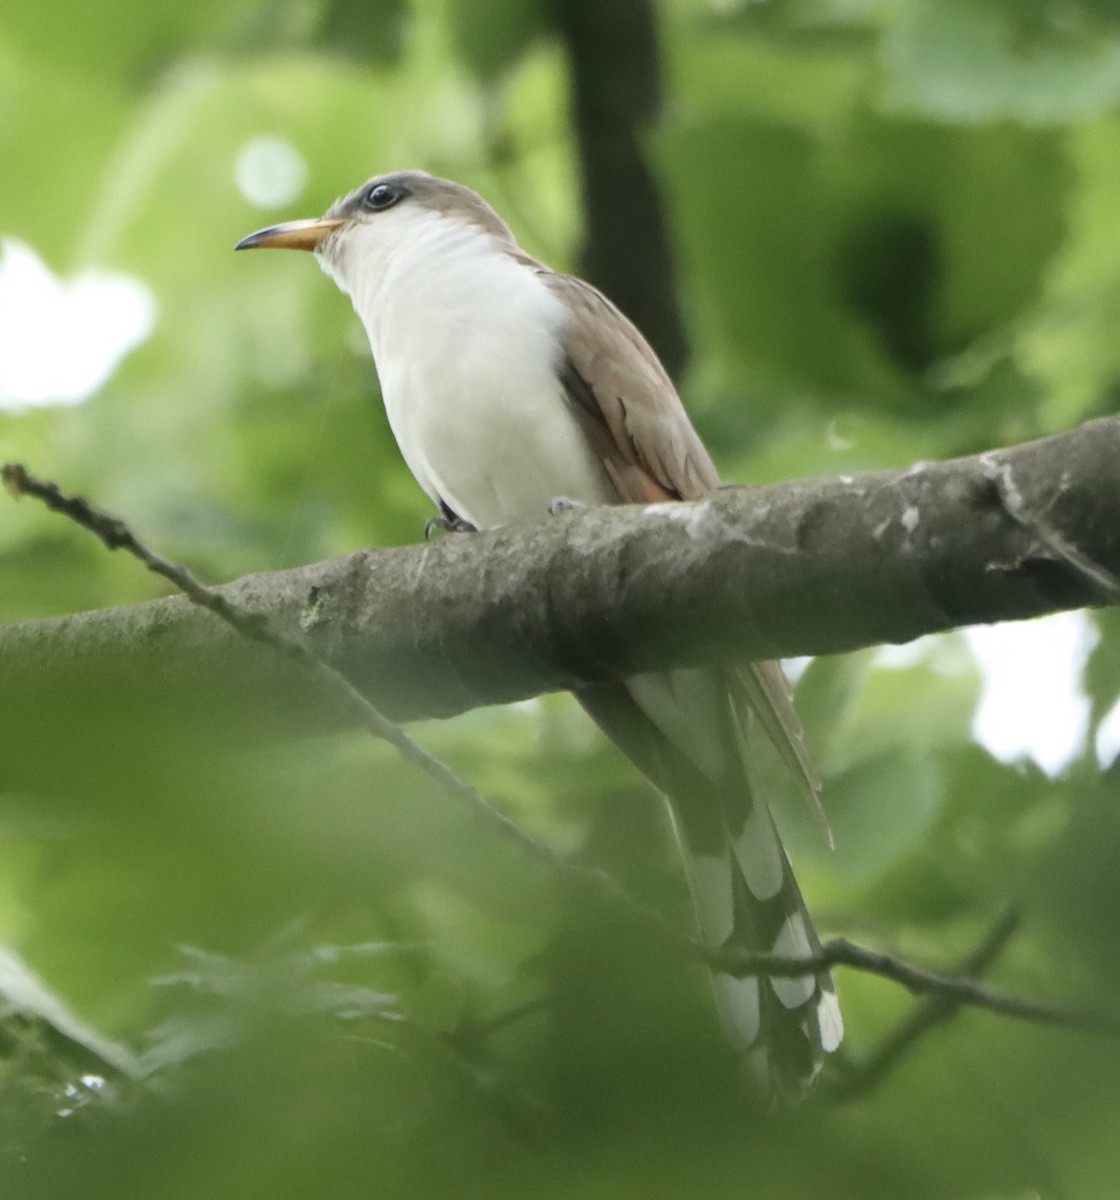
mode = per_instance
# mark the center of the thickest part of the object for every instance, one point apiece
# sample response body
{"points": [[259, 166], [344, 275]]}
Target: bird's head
{"points": [[383, 217]]}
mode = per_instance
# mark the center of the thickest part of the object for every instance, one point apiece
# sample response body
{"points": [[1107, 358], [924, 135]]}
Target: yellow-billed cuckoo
{"points": [[508, 386]]}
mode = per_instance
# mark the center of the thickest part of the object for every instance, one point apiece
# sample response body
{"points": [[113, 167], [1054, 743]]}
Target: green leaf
{"points": [[489, 35], [881, 810], [973, 61], [24, 991]]}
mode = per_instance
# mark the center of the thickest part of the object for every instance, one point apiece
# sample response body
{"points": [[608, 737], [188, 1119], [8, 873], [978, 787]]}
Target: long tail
{"points": [[683, 731], [747, 898]]}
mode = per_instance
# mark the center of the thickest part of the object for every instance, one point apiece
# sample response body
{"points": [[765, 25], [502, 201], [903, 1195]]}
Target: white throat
{"points": [[468, 343]]}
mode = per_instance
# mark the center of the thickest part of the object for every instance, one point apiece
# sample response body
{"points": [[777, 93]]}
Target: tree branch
{"points": [[809, 567]]}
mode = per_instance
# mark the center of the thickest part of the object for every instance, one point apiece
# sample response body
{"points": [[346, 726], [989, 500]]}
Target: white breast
{"points": [[467, 344]]}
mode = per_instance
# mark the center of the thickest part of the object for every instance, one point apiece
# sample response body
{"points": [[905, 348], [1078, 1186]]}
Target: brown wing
{"points": [[627, 402], [634, 418]]}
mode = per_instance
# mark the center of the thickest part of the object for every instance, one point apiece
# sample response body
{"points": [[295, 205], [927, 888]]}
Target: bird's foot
{"points": [[447, 522], [563, 504]]}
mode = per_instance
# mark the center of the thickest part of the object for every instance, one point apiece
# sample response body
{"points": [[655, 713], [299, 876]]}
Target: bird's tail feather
{"points": [[744, 892], [782, 1027]]}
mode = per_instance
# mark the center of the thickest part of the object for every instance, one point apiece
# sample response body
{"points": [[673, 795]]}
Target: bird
{"points": [[508, 387]]}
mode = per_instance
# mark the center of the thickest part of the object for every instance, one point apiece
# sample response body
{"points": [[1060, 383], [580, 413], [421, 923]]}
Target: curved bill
{"points": [[292, 235]]}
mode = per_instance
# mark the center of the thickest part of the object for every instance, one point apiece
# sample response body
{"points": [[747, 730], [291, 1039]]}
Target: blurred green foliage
{"points": [[896, 223]]}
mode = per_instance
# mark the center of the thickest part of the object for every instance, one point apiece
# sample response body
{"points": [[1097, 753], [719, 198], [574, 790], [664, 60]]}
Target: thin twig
{"points": [[472, 1032], [955, 990], [934, 1011]]}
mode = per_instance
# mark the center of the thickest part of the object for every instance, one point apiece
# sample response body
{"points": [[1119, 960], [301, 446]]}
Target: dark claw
{"points": [[562, 504], [447, 522]]}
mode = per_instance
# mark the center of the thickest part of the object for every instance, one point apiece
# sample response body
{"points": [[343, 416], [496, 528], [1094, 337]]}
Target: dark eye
{"points": [[380, 196]]}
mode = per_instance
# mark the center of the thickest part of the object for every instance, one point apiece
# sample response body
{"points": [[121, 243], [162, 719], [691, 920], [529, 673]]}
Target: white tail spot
{"points": [[759, 855], [739, 1009], [793, 942], [830, 1021], [710, 878]]}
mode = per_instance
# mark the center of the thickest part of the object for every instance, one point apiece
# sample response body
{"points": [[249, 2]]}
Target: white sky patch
{"points": [[270, 172], [62, 339], [796, 667], [1032, 704]]}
